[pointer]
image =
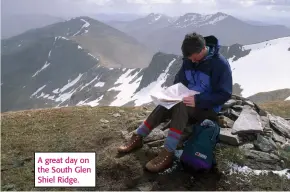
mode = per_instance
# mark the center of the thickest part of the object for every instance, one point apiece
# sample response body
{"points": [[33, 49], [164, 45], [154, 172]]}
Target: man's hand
{"points": [[189, 101]]}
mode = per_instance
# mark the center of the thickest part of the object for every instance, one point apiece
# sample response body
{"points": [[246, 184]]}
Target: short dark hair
{"points": [[192, 43]]}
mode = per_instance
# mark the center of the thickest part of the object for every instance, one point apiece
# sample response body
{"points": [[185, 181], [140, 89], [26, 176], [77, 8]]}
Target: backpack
{"points": [[198, 151]]}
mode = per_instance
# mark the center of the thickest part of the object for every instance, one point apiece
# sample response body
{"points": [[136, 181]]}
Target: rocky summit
{"points": [[262, 138]]}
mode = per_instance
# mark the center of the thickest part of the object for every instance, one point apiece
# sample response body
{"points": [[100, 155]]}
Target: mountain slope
{"points": [[41, 67], [280, 108], [57, 69], [115, 16], [271, 96], [54, 61], [143, 26], [113, 47], [229, 29], [248, 71], [95, 85]]}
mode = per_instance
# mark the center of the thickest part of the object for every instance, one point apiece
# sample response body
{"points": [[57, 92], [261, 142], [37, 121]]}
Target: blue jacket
{"points": [[212, 77]]}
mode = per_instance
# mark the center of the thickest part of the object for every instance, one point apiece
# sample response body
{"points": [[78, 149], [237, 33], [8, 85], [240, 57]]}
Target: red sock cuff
{"points": [[175, 130], [147, 125]]}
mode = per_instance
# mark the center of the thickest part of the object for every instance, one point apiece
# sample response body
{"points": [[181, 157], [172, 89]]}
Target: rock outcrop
{"points": [[259, 135]]}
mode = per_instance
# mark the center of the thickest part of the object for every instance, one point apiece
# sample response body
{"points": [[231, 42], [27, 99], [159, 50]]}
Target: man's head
{"points": [[193, 47]]}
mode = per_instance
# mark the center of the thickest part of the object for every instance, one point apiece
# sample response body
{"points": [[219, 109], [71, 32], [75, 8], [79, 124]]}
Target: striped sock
{"points": [[144, 129], [172, 139]]}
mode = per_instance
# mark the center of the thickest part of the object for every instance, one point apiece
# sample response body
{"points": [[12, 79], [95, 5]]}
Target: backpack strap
{"points": [[215, 133]]}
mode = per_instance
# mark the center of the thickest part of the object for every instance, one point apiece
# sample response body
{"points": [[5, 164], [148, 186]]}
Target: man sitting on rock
{"points": [[203, 70]]}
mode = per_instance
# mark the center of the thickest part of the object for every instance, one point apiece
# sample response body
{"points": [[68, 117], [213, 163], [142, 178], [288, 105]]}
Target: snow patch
{"points": [[87, 84], [71, 83], [37, 91], [287, 99], [143, 96], [82, 102], [86, 25], [46, 96], [157, 17], [199, 20], [43, 67], [61, 37], [215, 20], [62, 97], [79, 47], [265, 44], [99, 84], [126, 87], [234, 168], [266, 64], [51, 97], [65, 96], [95, 102], [56, 91], [93, 56], [154, 17]]}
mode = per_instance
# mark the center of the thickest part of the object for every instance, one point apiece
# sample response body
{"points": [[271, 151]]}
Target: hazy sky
{"points": [[250, 9]]}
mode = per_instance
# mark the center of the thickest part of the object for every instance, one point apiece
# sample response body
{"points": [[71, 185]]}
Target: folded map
{"points": [[171, 95]]}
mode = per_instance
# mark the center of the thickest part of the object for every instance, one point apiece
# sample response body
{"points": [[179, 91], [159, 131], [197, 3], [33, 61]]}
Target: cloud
{"points": [[152, 1], [99, 2], [274, 9], [195, 5], [273, 2], [142, 2]]}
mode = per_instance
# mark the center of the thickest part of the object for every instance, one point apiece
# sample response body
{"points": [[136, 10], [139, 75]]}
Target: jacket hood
{"points": [[213, 45]]}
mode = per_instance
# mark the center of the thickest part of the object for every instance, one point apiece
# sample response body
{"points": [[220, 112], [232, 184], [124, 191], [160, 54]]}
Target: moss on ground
{"points": [[285, 156], [232, 154]]}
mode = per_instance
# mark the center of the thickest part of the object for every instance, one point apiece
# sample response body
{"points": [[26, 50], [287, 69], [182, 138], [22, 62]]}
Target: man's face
{"points": [[196, 57]]}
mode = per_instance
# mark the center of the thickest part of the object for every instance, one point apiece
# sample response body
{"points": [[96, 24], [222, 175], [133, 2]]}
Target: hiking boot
{"points": [[163, 161], [134, 142]]}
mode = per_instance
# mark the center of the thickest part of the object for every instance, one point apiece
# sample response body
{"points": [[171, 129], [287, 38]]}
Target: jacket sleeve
{"points": [[221, 87], [180, 76]]}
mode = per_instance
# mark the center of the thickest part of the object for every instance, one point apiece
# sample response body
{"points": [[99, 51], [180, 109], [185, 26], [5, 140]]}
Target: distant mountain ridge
{"points": [[60, 54], [166, 36], [113, 47], [270, 96], [141, 27]]}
